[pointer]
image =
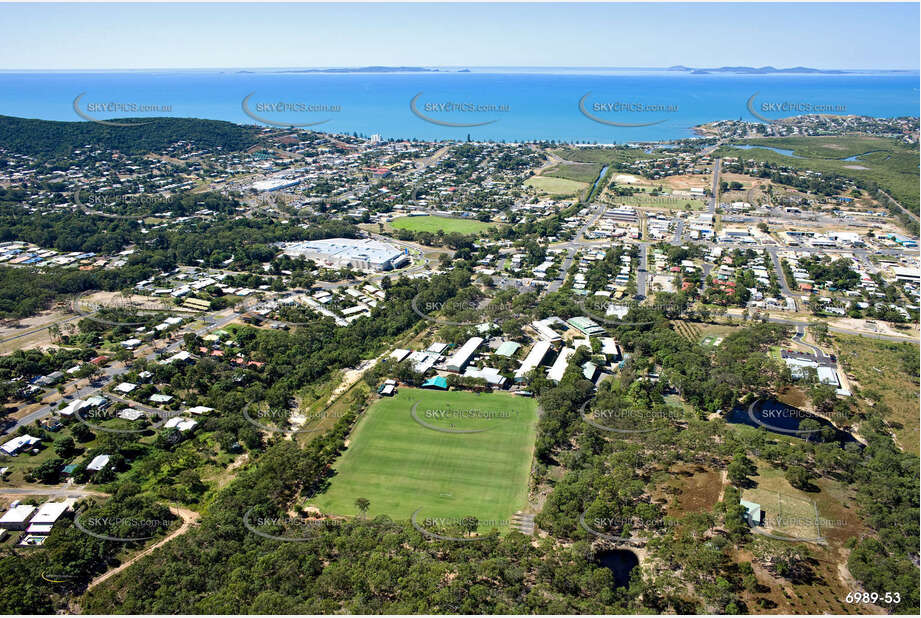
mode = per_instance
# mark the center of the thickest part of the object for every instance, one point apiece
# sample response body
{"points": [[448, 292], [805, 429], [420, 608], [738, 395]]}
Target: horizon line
{"points": [[395, 68]]}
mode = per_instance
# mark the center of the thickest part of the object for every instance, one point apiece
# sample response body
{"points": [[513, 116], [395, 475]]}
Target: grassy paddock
{"points": [[887, 372], [556, 186], [399, 465], [577, 172], [432, 223]]}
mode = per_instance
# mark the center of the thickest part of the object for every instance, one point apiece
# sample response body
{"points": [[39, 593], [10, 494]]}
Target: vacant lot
{"points": [[693, 489], [839, 520], [886, 162], [432, 224], [577, 172], [643, 200], [886, 372], [400, 465], [556, 186], [602, 155]]}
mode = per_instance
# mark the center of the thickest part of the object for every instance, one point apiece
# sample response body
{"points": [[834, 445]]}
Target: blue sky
{"points": [[112, 36]]}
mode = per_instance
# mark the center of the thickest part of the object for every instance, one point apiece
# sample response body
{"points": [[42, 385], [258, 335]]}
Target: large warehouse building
{"points": [[358, 253]]}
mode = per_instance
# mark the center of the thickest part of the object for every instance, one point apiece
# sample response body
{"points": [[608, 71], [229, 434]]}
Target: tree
{"points": [[64, 447], [362, 504], [470, 524], [740, 468], [82, 433], [800, 478]]}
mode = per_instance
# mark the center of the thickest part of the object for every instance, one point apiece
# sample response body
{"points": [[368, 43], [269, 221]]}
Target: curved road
{"points": [[188, 518]]}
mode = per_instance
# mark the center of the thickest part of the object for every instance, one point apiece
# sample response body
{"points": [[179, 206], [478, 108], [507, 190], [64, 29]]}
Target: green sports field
{"points": [[431, 223], [400, 465]]}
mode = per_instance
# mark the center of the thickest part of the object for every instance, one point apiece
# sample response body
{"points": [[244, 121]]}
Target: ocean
{"points": [[577, 105]]}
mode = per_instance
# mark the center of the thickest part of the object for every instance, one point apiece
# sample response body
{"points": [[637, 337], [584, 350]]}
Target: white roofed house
{"points": [[98, 463], [490, 374], [19, 443], [48, 514], [181, 424], [74, 406], [17, 517], [200, 410]]}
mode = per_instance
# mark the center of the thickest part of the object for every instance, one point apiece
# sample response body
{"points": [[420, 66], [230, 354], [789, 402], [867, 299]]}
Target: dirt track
{"points": [[188, 518]]}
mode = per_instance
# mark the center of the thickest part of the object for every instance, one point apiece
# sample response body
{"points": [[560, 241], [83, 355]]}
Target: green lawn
{"points": [[556, 186], [401, 466], [429, 223]]}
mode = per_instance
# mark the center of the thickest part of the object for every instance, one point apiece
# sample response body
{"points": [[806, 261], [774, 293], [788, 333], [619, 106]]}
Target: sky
{"points": [[213, 35]]}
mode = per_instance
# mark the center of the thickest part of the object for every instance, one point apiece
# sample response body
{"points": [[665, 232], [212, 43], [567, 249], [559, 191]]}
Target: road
{"points": [[40, 329], [188, 518], [781, 277], [679, 231], [715, 189], [798, 337], [54, 492], [708, 266], [844, 331], [436, 156], [642, 271]]}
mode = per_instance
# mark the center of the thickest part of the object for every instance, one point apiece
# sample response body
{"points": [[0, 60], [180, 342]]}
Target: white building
{"points": [[558, 369], [459, 359], [362, 254]]}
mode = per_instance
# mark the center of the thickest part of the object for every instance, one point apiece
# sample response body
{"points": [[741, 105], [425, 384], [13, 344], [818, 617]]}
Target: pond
{"points": [[781, 151], [620, 561], [786, 420]]}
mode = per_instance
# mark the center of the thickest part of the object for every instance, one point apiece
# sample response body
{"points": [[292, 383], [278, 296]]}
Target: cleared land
{"points": [[886, 372], [577, 172], [400, 466], [655, 201], [603, 156], [433, 223], [886, 162], [556, 186]]}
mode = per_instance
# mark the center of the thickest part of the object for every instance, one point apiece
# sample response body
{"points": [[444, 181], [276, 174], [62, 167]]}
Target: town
{"points": [[179, 310]]}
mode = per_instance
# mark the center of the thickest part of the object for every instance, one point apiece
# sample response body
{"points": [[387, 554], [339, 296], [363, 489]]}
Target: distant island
{"points": [[754, 70], [375, 69]]}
